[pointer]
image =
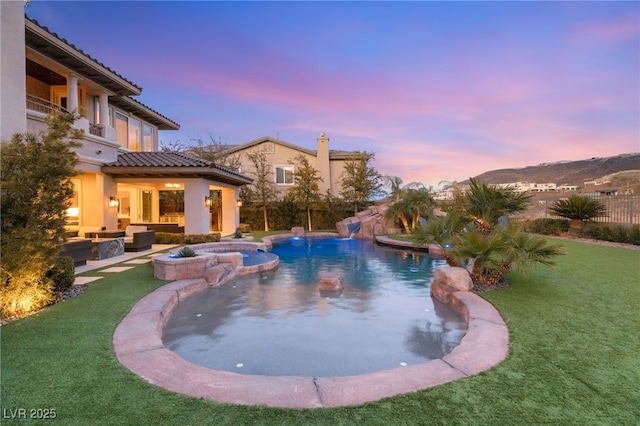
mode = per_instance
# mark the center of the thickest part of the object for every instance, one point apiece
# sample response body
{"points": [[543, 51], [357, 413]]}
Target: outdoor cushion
{"points": [[132, 229]]}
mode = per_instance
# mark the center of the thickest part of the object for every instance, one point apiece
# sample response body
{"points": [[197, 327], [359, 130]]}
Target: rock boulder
{"points": [[330, 282]]}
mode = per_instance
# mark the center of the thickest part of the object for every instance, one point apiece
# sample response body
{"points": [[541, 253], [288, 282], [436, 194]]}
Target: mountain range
{"points": [[624, 168]]}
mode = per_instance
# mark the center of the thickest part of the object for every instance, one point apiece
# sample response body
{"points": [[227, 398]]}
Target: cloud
{"points": [[608, 33]]}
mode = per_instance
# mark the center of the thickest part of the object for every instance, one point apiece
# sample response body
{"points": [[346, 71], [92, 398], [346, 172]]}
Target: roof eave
{"points": [[269, 139], [175, 172], [119, 84], [145, 112]]}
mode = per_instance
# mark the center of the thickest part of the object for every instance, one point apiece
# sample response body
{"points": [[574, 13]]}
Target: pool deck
{"points": [[138, 346]]}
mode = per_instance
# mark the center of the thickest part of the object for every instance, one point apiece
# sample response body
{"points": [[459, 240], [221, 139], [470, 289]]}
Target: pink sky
{"points": [[440, 91]]}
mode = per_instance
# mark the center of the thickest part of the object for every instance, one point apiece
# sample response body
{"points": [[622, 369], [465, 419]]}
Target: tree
{"points": [[396, 189], [36, 189], [486, 204], [264, 189], [578, 209], [414, 205], [473, 237], [305, 190], [213, 150], [360, 181]]}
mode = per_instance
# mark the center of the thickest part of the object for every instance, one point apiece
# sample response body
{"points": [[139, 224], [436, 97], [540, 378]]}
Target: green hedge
{"points": [[285, 215], [172, 238], [614, 233], [546, 226], [629, 234]]}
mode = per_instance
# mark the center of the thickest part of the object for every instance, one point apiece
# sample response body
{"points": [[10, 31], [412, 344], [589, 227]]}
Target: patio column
{"points": [[72, 93], [230, 210], [196, 214], [104, 109]]}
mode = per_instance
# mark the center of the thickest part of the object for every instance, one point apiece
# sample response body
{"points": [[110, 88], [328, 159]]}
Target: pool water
{"points": [[256, 257], [278, 323]]}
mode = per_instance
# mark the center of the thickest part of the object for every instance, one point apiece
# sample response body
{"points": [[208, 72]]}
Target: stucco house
{"points": [[123, 178], [329, 163]]}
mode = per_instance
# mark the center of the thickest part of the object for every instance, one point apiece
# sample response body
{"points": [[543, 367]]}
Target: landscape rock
{"points": [[330, 282], [447, 280], [218, 274]]}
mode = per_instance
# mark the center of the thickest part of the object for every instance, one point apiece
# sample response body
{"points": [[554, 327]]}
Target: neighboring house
{"points": [[280, 154], [123, 178]]}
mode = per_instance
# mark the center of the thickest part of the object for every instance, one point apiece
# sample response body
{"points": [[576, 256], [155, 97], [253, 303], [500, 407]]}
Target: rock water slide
{"points": [[366, 224]]}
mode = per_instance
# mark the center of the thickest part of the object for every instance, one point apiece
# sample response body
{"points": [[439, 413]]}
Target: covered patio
{"points": [[174, 190]]}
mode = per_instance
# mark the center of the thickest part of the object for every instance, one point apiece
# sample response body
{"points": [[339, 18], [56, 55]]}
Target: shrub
{"points": [[546, 226], [171, 238], [202, 238], [613, 233], [62, 274], [34, 200], [23, 294], [238, 233], [186, 252]]}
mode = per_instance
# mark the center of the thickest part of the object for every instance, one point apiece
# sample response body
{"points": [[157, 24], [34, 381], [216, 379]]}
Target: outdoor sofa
{"points": [[138, 238], [79, 249]]}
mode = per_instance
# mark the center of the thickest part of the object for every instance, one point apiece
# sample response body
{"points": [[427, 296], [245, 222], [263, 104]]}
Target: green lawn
{"points": [[574, 359]]}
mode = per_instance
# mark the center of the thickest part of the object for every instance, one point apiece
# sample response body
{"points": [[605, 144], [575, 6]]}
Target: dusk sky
{"points": [[438, 90]]}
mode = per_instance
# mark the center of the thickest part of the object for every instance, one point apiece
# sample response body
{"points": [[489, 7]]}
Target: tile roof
{"points": [[333, 153], [60, 50], [147, 113], [81, 51], [159, 159], [160, 164]]}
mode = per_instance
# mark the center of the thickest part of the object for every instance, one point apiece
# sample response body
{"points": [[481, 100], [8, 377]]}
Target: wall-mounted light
{"points": [[208, 201], [114, 202], [172, 185], [73, 211], [239, 203]]}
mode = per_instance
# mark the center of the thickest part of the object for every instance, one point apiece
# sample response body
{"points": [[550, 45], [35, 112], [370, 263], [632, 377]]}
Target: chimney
{"points": [[322, 162]]}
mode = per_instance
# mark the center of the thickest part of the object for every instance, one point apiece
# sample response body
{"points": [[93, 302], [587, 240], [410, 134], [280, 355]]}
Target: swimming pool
{"points": [[279, 323]]}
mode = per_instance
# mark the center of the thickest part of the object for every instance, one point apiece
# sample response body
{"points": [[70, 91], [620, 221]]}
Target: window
{"points": [[146, 206], [122, 130], [129, 133], [284, 175], [147, 138], [134, 134], [73, 211], [268, 148], [171, 202], [96, 109]]}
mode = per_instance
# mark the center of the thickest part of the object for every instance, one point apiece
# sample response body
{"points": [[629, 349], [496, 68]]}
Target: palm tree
{"points": [[578, 209], [470, 236], [490, 257], [414, 205], [397, 190], [443, 232], [486, 204]]}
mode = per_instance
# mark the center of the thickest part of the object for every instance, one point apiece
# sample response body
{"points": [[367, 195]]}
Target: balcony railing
{"points": [[42, 105], [96, 129]]}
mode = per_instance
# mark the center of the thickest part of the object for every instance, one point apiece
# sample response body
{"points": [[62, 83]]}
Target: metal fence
{"points": [[621, 209]]}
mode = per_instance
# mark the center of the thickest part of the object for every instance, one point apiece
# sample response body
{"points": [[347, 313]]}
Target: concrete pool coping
{"points": [[138, 345]]}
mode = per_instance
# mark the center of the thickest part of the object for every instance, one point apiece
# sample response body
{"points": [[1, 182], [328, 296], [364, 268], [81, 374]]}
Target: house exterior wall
{"points": [[278, 154], [20, 112], [12, 72]]}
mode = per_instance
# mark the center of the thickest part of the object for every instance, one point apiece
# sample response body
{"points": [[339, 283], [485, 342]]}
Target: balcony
{"points": [[96, 129], [42, 105]]}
